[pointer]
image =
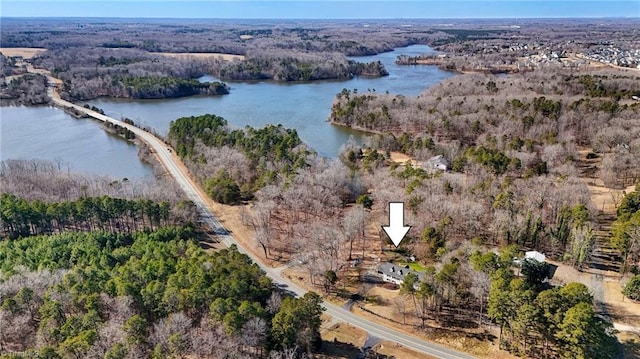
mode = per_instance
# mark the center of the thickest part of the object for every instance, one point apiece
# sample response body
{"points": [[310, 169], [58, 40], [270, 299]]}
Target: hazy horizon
{"points": [[323, 10]]}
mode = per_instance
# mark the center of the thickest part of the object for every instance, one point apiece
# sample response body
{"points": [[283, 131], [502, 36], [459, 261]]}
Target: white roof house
{"points": [[535, 255], [438, 162], [394, 273]]}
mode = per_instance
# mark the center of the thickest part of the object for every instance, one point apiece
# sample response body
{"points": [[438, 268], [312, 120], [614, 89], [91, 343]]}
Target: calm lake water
{"points": [[49, 133], [303, 106]]}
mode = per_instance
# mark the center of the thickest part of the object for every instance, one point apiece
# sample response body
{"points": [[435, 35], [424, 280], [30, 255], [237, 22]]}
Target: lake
{"points": [[49, 133], [303, 106]]}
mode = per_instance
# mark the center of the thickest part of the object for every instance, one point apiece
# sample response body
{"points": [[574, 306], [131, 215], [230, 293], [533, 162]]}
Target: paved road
{"points": [[171, 162]]}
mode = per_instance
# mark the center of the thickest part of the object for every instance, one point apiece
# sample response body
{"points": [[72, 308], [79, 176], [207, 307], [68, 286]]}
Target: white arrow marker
{"points": [[396, 230]]}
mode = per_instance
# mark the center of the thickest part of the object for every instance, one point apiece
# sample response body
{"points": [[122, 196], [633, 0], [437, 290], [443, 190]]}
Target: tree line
{"points": [[47, 197], [150, 87], [625, 231], [149, 294], [22, 218], [349, 38], [547, 321], [296, 66]]}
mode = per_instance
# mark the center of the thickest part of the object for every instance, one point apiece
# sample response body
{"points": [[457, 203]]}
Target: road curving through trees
{"points": [[177, 170]]}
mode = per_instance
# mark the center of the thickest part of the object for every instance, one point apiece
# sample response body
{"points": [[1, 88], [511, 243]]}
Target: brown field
{"points": [[395, 350], [401, 158], [605, 198], [345, 333], [621, 309], [341, 341], [25, 52], [202, 55]]}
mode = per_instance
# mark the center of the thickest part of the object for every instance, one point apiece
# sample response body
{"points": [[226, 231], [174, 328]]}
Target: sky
{"points": [[313, 9]]}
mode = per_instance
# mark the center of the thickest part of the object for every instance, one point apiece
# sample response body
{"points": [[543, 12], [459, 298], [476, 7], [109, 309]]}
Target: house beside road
{"points": [[393, 273]]}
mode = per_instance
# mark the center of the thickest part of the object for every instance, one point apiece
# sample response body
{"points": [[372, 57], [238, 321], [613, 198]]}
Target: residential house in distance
{"points": [[438, 163], [393, 273], [540, 257], [535, 255]]}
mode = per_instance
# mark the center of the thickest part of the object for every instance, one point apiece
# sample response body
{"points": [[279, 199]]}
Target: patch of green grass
{"points": [[415, 266]]}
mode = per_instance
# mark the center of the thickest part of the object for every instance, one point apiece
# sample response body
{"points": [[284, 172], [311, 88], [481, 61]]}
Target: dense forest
{"points": [[626, 235], [216, 36], [29, 89], [350, 37], [296, 66], [149, 87], [517, 149], [148, 294], [233, 164], [21, 218], [43, 197], [131, 73], [526, 124], [7, 66], [95, 277], [125, 73], [119, 63], [510, 142]]}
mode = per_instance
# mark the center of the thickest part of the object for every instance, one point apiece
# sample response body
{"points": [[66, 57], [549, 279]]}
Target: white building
{"points": [[393, 273], [535, 255], [438, 162]]}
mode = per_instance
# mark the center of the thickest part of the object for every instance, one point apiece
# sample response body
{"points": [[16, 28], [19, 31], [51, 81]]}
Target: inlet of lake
{"points": [[49, 133]]}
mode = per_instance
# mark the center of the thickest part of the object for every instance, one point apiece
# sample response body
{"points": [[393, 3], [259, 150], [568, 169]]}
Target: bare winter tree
{"points": [[254, 334], [353, 225], [274, 302]]}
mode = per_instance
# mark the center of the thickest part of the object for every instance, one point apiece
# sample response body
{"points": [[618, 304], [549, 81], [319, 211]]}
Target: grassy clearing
{"points": [[415, 266]]}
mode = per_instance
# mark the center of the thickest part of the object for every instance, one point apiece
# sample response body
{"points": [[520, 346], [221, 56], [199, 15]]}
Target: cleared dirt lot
{"points": [[341, 341], [621, 309]]}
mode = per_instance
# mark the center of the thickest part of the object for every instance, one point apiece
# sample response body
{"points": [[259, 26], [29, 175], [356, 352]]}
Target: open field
{"points": [[605, 199], [402, 158], [25, 52]]}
